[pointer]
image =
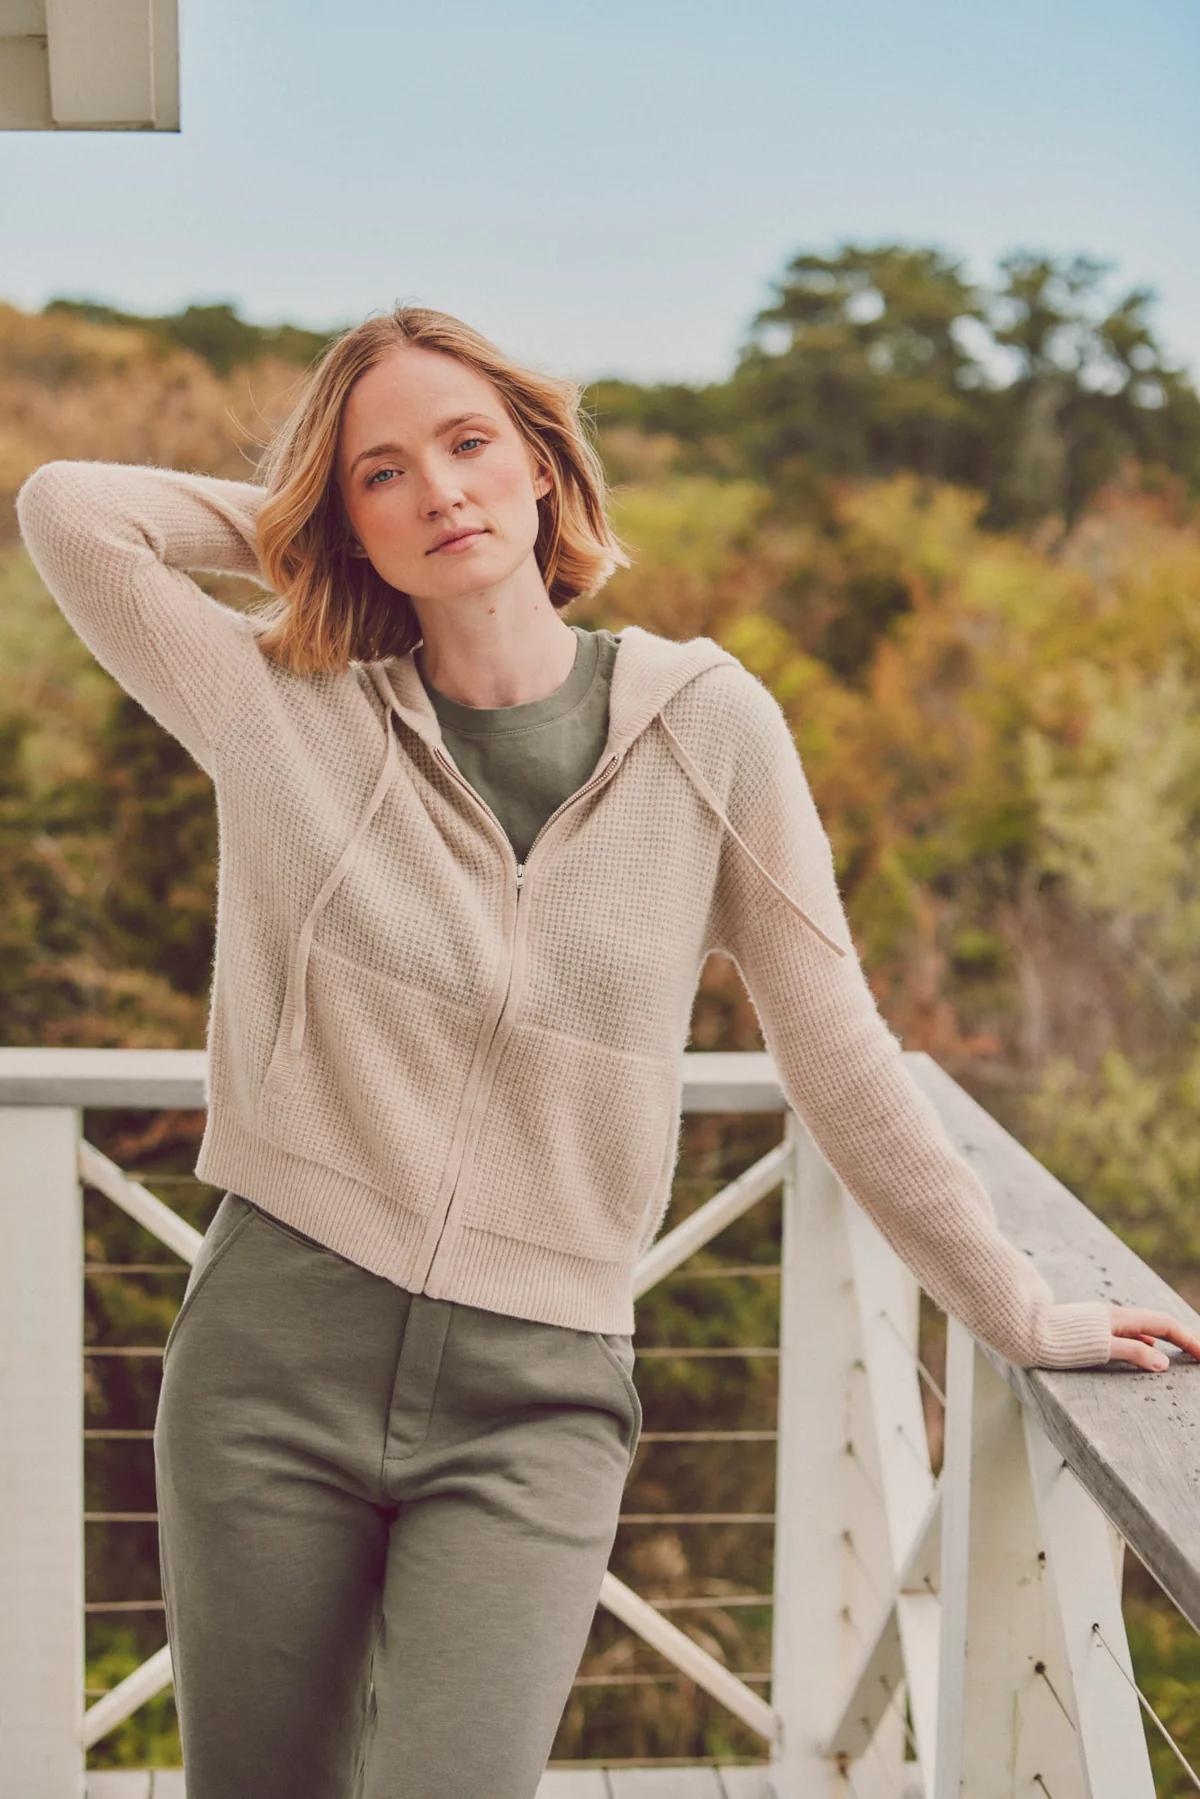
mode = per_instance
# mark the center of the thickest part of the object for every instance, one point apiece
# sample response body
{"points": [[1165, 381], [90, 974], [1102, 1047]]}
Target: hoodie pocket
{"points": [[374, 1089], [573, 1148]]}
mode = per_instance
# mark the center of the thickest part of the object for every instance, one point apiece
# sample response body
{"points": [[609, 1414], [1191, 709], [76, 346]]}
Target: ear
{"points": [[543, 483]]}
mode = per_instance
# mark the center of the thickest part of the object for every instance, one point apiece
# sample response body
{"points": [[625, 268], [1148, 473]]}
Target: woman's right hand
{"points": [[1135, 1334]]}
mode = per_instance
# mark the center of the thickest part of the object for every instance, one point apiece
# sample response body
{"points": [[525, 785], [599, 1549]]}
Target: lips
{"points": [[450, 543]]}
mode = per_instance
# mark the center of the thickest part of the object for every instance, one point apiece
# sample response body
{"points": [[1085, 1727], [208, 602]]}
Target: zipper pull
{"points": [[520, 875]]}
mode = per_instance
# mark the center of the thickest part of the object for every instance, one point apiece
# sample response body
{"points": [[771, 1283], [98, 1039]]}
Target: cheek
{"points": [[384, 523], [508, 485]]}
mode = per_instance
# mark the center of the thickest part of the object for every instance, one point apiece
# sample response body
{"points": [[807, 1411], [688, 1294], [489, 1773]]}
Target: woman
{"points": [[472, 860]]}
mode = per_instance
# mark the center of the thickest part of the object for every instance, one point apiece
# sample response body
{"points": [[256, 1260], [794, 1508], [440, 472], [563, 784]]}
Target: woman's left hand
{"points": [[1135, 1330]]}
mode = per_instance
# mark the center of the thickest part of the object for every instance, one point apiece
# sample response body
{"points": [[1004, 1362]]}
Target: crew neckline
{"points": [[480, 721]]}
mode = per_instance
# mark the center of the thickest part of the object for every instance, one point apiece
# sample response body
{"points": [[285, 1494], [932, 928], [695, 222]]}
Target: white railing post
{"points": [[815, 1643], [1005, 1702], [1085, 1556], [41, 1453]]}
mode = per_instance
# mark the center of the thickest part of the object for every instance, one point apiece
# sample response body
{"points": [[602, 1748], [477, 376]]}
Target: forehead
{"points": [[409, 393]]}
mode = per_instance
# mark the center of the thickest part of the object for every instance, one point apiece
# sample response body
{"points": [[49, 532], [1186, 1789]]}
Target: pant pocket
{"points": [[297, 1235], [228, 1222], [620, 1354], [289, 1230]]}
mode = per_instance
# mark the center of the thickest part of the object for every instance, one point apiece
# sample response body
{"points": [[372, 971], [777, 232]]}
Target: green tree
{"points": [[1091, 388], [860, 365]]}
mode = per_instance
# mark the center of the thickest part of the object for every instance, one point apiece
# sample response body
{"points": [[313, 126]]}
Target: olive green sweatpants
{"points": [[383, 1524]]}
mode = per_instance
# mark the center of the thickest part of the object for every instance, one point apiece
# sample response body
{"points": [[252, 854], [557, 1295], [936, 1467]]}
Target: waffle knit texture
{"points": [[463, 1076]]}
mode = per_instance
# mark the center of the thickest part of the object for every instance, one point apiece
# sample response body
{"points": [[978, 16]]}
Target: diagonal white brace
{"points": [[97, 1171], [688, 1657]]}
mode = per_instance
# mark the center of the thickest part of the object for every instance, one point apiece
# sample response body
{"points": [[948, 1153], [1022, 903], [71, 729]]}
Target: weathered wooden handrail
{"points": [[1142, 1470], [972, 1595]]}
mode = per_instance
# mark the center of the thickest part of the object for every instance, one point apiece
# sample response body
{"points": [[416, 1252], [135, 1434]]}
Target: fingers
{"points": [[1147, 1326], [1125, 1350]]}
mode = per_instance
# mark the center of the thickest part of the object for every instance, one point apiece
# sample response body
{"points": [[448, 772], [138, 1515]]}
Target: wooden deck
{"points": [[595, 1783]]}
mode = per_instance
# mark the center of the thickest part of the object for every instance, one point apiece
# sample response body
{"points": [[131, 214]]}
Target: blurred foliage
{"points": [[955, 530], [215, 333], [1128, 1140], [1165, 1652], [120, 392], [1033, 390], [1121, 811]]}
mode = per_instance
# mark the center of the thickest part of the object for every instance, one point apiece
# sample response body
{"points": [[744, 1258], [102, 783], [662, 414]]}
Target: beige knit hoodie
{"points": [[464, 1073]]}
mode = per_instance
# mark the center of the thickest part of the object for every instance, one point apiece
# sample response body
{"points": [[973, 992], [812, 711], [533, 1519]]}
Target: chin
{"points": [[473, 573]]}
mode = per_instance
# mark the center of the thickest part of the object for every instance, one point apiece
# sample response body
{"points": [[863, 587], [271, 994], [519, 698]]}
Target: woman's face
{"points": [[427, 447]]}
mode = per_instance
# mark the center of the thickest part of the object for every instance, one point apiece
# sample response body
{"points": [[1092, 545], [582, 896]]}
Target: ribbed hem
{"points": [[501, 1274], [372, 1228], [1075, 1334], [361, 1223]]}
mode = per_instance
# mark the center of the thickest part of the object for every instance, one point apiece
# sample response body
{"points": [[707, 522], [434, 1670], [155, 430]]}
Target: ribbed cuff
{"points": [[1075, 1334]]}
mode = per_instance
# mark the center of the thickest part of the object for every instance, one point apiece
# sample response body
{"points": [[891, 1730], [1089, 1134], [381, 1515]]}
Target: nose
{"points": [[441, 489]]}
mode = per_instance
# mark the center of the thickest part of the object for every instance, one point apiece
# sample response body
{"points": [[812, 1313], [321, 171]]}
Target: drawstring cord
{"points": [[305, 938], [689, 768]]}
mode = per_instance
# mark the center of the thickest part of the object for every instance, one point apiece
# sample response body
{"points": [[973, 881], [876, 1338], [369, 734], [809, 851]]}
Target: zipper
{"points": [[502, 1016], [597, 779], [479, 800], [600, 776]]}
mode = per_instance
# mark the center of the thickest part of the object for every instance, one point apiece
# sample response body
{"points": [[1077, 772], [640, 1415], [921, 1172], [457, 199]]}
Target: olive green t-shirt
{"points": [[526, 760]]}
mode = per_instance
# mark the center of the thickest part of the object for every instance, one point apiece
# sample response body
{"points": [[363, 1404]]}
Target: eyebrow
{"points": [[392, 449]]}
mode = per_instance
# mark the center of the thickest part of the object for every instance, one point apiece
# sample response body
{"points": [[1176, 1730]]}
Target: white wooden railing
{"points": [[935, 1637]]}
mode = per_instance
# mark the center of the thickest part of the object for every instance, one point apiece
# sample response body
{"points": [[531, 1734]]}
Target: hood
{"points": [[649, 670]]}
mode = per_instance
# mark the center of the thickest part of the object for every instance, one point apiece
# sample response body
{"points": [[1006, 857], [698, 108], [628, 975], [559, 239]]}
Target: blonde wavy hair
{"points": [[330, 607]]}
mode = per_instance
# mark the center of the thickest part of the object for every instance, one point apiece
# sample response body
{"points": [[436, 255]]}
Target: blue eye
{"points": [[374, 481]]}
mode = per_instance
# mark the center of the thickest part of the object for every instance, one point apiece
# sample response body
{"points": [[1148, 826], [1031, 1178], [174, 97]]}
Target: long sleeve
{"points": [[112, 542], [841, 1066]]}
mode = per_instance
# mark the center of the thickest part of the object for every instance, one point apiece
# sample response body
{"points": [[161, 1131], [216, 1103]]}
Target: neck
{"points": [[503, 662]]}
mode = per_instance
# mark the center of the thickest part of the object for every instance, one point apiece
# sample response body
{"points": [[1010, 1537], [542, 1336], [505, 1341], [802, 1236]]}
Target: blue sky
{"points": [[610, 188]]}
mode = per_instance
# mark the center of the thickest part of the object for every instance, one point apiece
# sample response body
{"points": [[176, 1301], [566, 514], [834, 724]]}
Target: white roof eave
{"points": [[89, 65]]}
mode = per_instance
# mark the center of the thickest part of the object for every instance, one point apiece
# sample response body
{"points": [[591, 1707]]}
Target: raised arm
{"points": [[112, 542], [841, 1065]]}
